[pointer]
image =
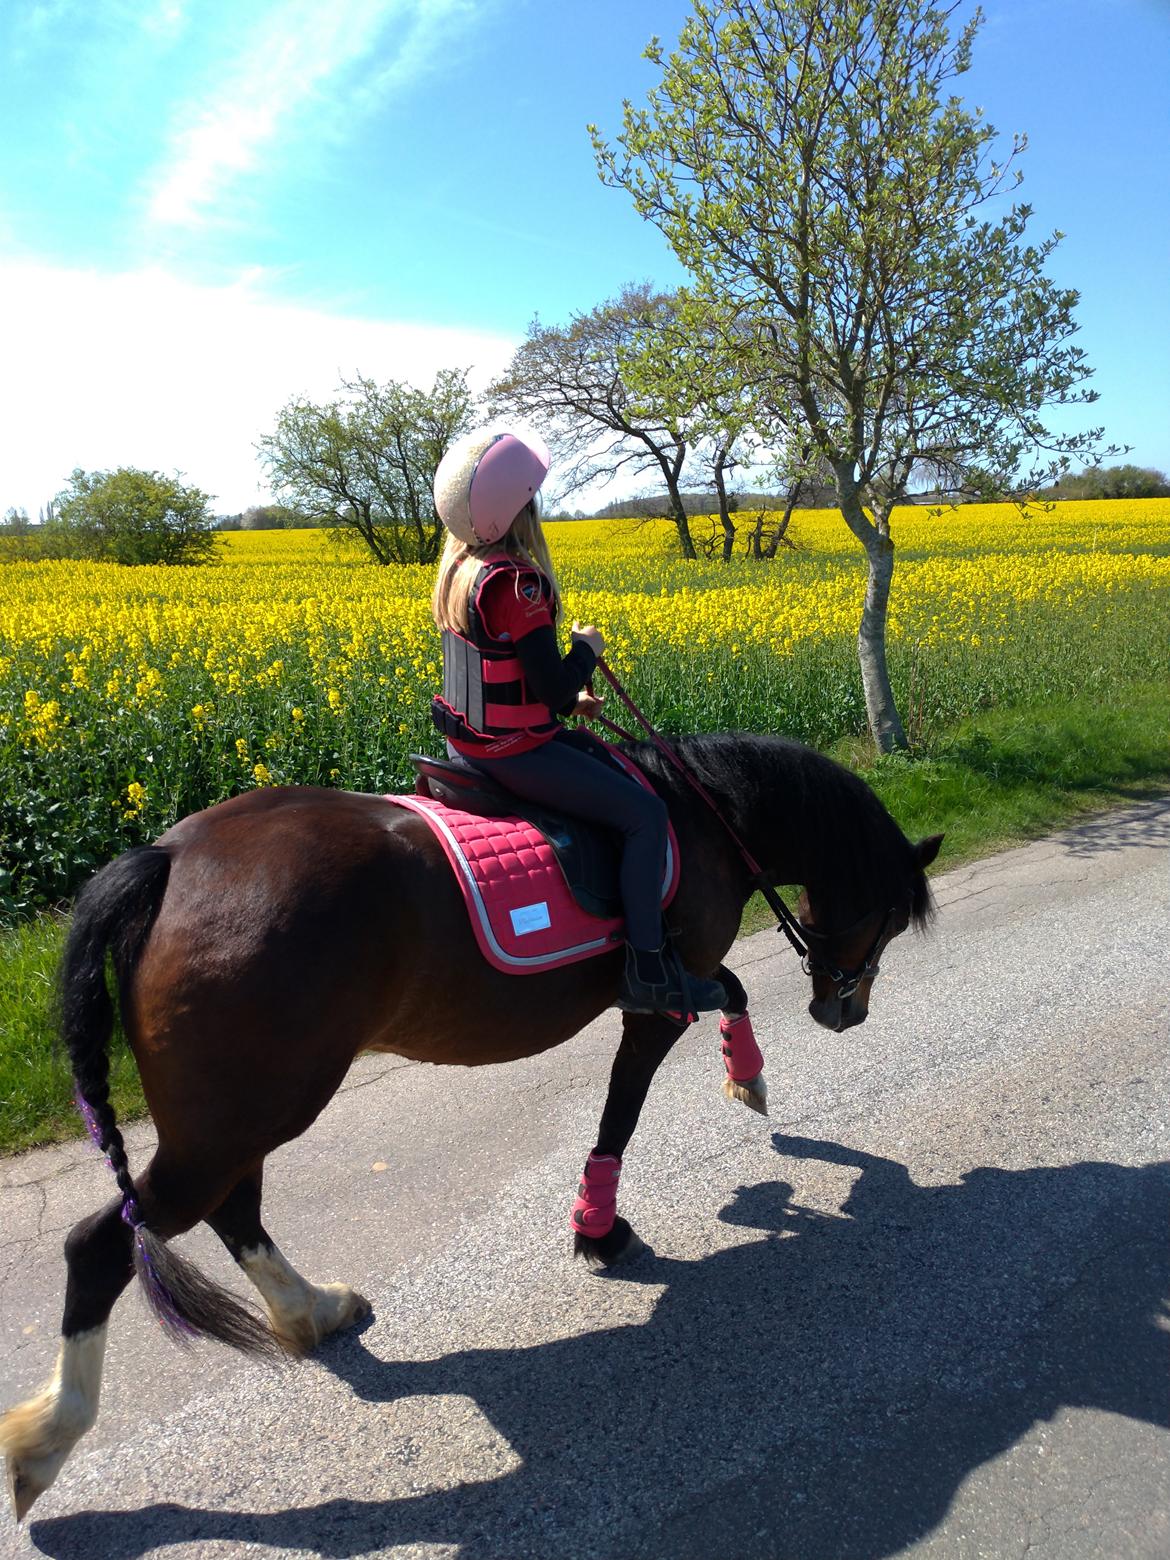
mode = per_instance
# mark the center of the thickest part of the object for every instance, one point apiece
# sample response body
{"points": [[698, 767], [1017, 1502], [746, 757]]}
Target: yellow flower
{"points": [[135, 799], [261, 774]]}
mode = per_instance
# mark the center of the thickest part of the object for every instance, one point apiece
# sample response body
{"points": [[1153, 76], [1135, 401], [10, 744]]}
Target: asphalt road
{"points": [[920, 1311]]}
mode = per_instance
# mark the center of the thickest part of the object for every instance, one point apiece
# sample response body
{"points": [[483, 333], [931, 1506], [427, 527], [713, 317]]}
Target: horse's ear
{"points": [[926, 850]]}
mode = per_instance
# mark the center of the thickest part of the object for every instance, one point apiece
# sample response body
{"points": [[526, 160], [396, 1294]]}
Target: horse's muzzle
{"points": [[838, 1014]]}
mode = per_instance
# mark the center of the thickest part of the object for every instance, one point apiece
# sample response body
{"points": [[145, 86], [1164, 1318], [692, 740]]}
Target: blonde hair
{"points": [[459, 565]]}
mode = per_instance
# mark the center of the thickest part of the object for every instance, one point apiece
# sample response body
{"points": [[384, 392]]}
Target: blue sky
{"points": [[207, 206]]}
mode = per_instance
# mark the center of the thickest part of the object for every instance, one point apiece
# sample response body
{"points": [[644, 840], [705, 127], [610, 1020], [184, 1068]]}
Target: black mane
{"points": [[790, 803]]}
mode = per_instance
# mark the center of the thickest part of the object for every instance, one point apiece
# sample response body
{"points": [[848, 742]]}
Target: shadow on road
{"points": [[822, 1390], [1145, 827]]}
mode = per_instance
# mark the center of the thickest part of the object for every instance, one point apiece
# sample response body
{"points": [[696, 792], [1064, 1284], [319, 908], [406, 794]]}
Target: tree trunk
{"points": [[885, 723], [672, 470], [724, 512], [679, 516], [756, 537], [780, 534]]}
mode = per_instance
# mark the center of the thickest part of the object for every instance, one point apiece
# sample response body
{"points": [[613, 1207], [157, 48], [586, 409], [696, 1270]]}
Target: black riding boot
{"points": [[655, 982]]}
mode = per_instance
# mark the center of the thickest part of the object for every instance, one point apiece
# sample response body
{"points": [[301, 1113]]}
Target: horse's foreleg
{"points": [[37, 1436], [741, 1054], [299, 1313], [600, 1234]]}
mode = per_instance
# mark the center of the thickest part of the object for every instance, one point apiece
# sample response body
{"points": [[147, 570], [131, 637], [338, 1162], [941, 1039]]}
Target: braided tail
{"points": [[113, 914]]}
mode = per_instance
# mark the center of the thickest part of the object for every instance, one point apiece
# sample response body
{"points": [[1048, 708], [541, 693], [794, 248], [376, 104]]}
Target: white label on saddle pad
{"points": [[530, 918]]}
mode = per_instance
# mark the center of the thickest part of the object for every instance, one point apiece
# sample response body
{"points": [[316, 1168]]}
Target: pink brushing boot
{"points": [[596, 1206], [744, 1062]]}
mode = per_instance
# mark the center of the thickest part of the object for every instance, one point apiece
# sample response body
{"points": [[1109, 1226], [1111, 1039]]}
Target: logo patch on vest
{"points": [[530, 590], [530, 918]]}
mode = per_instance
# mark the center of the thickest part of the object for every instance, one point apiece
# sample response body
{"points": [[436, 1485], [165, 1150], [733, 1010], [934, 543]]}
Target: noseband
{"points": [[801, 937]]}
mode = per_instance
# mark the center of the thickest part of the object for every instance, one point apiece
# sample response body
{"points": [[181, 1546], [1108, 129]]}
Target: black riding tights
{"points": [[569, 775]]}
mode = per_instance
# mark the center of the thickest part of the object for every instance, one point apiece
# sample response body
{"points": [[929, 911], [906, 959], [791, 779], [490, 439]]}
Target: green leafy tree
{"points": [[131, 517], [274, 517], [1112, 482], [809, 170], [18, 538], [365, 463]]}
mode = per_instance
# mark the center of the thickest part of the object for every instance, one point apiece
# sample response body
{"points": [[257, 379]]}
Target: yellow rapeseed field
{"points": [[131, 696]]}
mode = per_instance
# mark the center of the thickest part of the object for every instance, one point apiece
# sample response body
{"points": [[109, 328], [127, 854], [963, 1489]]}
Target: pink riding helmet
{"points": [[485, 479]]}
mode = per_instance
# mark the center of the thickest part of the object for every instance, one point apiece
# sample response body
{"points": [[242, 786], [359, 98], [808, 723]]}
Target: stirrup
{"points": [[677, 994]]}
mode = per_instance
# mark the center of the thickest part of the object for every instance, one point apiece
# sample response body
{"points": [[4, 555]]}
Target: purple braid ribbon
{"points": [[131, 1213], [162, 1302], [89, 1116]]}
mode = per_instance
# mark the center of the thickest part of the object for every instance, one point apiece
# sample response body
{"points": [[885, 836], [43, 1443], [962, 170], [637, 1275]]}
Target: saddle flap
{"points": [[588, 853]]}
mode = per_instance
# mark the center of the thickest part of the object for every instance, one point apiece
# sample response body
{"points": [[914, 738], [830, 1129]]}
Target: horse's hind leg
{"points": [[600, 1234], [38, 1435], [173, 1193], [299, 1313]]}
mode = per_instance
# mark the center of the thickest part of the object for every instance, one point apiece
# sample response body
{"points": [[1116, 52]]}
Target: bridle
{"points": [[794, 929], [801, 937]]}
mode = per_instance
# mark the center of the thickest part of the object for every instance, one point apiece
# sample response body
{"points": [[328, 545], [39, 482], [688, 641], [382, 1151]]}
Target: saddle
{"points": [[541, 888], [587, 853]]}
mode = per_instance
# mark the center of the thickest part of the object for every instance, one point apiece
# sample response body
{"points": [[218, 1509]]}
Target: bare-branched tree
{"points": [[568, 382], [687, 366]]}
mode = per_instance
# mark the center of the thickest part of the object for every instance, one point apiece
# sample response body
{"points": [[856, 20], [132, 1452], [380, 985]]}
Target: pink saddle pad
{"points": [[522, 912]]}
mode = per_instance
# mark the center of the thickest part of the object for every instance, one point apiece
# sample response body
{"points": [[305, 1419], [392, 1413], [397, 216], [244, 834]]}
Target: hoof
{"points": [[22, 1490], [620, 1245], [347, 1308], [334, 1307], [34, 1455], [753, 1094]]}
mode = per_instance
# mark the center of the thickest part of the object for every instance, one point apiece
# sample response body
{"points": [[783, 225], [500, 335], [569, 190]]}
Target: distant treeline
{"points": [[1097, 482], [19, 535], [657, 505], [269, 517], [1111, 482]]}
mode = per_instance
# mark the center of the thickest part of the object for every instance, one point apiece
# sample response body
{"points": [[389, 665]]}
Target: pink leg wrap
{"points": [[741, 1055], [596, 1206]]}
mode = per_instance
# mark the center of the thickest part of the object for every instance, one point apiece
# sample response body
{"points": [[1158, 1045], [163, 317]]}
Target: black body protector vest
{"points": [[486, 701]]}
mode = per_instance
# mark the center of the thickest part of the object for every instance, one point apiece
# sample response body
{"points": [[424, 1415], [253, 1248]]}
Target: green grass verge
{"points": [[36, 1090], [1001, 778], [1009, 776]]}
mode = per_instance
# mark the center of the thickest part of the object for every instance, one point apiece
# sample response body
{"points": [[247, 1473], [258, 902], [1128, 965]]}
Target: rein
{"points": [[800, 936]]}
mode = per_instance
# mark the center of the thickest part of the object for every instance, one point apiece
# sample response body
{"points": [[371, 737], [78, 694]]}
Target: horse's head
{"points": [[844, 963]]}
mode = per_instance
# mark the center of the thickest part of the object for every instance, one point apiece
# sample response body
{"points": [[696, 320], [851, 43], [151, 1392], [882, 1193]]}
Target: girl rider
{"points": [[506, 688]]}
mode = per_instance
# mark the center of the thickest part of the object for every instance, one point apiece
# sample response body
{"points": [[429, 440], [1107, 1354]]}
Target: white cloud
{"points": [[165, 19], [280, 70], [147, 370]]}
